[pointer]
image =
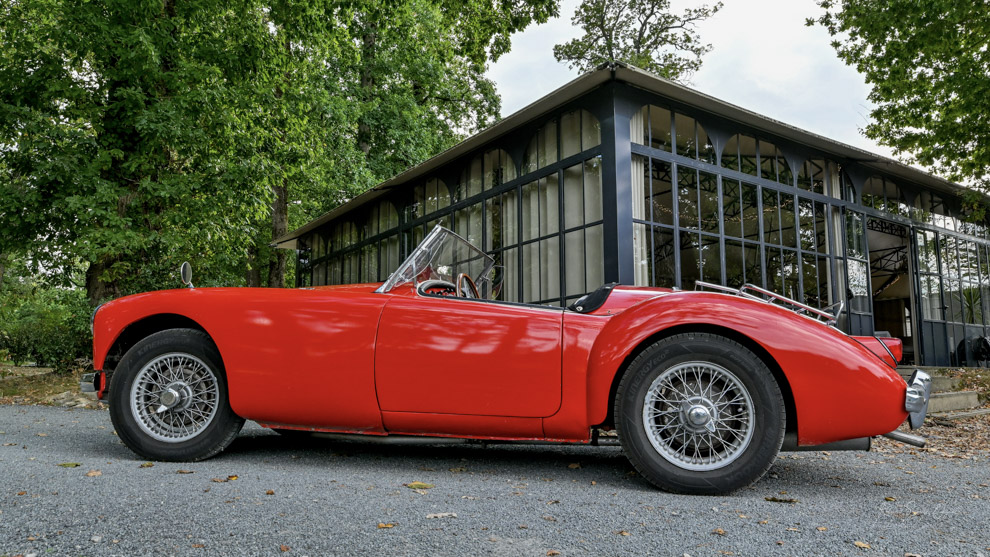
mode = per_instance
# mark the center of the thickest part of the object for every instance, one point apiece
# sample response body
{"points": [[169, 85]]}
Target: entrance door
{"points": [[892, 287]]}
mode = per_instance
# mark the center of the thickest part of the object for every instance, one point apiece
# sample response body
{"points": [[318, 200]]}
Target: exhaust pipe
{"points": [[906, 438], [858, 444]]}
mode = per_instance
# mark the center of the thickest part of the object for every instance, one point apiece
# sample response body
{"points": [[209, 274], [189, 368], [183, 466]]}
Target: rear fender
{"points": [[841, 390]]}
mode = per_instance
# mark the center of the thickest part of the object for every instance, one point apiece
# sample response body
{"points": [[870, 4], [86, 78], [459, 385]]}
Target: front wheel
{"points": [[699, 413], [168, 398]]}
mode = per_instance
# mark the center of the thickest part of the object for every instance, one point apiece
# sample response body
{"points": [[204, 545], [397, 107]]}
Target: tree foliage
{"points": [[138, 134], [928, 64], [644, 33]]}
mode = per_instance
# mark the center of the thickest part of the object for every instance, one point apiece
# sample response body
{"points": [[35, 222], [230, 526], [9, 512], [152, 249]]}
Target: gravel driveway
{"points": [[267, 495]]}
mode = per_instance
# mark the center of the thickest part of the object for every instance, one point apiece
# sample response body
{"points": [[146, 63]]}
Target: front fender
{"points": [[841, 390]]}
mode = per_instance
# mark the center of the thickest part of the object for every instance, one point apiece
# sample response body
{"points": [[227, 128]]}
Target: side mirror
{"points": [[185, 273]]}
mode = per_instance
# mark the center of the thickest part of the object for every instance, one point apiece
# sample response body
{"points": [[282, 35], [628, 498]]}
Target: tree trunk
{"points": [[96, 289], [252, 271], [280, 225]]}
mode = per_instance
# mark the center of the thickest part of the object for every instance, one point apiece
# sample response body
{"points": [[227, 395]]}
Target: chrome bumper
{"points": [[919, 390]]}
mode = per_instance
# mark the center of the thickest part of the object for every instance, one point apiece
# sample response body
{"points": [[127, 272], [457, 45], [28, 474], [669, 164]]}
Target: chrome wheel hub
{"points": [[174, 397], [698, 416]]}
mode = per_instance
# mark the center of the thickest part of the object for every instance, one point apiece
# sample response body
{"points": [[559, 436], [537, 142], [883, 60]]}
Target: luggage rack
{"points": [[753, 292]]}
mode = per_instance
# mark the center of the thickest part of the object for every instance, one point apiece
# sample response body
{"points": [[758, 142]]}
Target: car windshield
{"points": [[443, 255]]}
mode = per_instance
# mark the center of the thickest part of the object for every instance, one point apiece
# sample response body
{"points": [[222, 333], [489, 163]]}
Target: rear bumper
{"points": [[919, 390]]}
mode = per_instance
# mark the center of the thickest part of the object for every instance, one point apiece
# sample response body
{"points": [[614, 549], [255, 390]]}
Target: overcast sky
{"points": [[763, 59]]}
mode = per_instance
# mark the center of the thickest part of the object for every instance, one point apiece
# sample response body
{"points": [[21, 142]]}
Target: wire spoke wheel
{"points": [[174, 397], [698, 416]]}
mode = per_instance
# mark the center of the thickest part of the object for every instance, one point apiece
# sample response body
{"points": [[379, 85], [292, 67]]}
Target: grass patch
{"points": [[24, 385]]}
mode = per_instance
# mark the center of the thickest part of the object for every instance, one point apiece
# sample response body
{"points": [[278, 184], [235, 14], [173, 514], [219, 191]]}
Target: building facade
{"points": [[623, 177]]}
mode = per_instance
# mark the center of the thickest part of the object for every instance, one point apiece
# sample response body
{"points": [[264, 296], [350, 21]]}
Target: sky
{"points": [[763, 59]]}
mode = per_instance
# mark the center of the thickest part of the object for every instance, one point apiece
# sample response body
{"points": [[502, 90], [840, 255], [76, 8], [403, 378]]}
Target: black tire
{"points": [[694, 452], [199, 422]]}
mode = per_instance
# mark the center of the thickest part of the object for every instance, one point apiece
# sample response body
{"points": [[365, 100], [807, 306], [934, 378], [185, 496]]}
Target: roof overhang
{"points": [[637, 78]]}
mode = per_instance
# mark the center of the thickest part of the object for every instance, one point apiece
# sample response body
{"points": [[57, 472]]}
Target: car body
{"points": [[420, 356]]}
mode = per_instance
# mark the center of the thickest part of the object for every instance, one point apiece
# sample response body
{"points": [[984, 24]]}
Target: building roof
{"points": [[635, 77]]}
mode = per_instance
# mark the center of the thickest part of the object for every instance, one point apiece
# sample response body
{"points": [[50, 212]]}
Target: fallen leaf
{"points": [[552, 553], [593, 482], [42, 435], [420, 491], [821, 528], [889, 499], [70, 465], [231, 478], [780, 500], [184, 472], [198, 545], [763, 522], [385, 525], [22, 492], [553, 502], [549, 518], [793, 530], [219, 480], [146, 465], [743, 516], [574, 465], [861, 545], [442, 515], [283, 548], [93, 473], [270, 492], [9, 444], [622, 533], [718, 531], [419, 485]]}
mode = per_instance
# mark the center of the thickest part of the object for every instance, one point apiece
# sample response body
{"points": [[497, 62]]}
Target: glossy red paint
{"points": [[887, 349], [841, 389], [347, 359], [302, 357]]}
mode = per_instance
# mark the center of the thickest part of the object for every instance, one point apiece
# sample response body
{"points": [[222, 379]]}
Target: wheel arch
{"points": [[144, 327], [747, 342]]}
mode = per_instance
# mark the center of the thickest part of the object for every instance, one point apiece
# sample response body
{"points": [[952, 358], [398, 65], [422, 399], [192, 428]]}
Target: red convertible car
{"points": [[704, 387]]}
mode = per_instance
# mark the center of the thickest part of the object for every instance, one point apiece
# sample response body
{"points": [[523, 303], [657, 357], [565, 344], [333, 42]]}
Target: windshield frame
{"points": [[425, 259]]}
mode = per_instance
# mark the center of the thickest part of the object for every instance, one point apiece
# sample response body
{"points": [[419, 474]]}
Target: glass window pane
{"points": [[788, 237], [730, 153], [784, 174], [591, 133], [711, 259], [753, 264], [686, 141], [639, 126], [806, 224], [639, 184], [468, 224], [751, 211], [471, 179], [731, 208], [663, 257], [531, 210], [573, 196], [854, 235], [595, 249], [592, 190], [690, 259], [790, 273], [642, 261], [747, 154], [708, 208], [768, 161], [531, 272], [771, 218], [549, 205], [809, 276], [821, 227], [687, 197], [574, 265], [775, 271], [859, 283], [510, 275], [706, 149], [570, 134], [735, 275], [550, 273], [660, 128], [661, 192], [548, 145]]}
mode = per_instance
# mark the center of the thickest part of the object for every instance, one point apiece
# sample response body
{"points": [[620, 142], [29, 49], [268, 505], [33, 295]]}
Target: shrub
{"points": [[47, 326]]}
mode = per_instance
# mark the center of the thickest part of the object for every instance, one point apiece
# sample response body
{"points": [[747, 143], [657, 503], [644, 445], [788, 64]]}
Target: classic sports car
{"points": [[704, 387]]}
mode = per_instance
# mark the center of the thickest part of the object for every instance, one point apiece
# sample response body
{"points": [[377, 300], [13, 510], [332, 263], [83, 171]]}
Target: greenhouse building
{"points": [[621, 176]]}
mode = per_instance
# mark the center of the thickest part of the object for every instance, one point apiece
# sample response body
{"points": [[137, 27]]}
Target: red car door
{"points": [[448, 355]]}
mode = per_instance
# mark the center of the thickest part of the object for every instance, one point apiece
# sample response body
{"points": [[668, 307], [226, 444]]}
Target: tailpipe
{"points": [[906, 438]]}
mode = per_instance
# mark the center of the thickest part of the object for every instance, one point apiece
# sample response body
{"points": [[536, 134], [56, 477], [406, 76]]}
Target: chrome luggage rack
{"points": [[828, 316]]}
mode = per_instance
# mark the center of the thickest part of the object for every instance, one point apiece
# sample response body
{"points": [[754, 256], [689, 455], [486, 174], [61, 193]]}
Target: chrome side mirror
{"points": [[185, 273]]}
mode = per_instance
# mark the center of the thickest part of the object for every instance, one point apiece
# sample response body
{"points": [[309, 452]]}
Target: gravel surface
{"points": [[268, 495]]}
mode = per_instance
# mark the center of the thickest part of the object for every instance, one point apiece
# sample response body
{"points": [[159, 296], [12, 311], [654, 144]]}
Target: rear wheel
{"points": [[699, 413], [168, 398]]}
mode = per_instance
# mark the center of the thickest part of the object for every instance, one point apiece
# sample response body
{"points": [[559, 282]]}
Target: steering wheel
{"points": [[466, 287], [438, 288]]}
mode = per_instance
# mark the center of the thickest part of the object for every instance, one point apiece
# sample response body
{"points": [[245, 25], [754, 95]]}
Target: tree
{"points": [[643, 33], [928, 64]]}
